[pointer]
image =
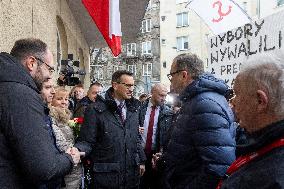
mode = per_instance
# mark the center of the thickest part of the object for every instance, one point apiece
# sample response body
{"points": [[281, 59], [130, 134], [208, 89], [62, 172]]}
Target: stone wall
{"points": [[39, 19]]}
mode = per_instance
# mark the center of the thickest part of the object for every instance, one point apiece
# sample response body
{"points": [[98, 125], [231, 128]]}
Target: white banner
{"points": [[228, 51], [220, 15]]}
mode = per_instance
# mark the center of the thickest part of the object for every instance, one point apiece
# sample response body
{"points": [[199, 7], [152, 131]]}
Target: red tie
{"points": [[148, 147]]}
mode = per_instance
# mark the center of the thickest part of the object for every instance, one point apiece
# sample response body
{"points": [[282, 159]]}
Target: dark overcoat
{"points": [[114, 147]]}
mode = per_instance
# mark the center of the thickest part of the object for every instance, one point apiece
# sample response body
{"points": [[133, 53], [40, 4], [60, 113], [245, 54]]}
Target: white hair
{"points": [[266, 72]]}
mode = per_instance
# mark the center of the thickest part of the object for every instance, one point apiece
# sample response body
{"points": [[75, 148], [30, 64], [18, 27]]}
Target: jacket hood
{"points": [[11, 70], [205, 83]]}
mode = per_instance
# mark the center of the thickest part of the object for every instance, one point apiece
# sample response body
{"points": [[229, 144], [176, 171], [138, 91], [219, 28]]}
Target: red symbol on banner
{"points": [[221, 14]]}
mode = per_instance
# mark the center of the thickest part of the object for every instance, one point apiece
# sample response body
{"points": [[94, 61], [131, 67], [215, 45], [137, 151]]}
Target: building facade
{"points": [[51, 21], [169, 28], [141, 57]]}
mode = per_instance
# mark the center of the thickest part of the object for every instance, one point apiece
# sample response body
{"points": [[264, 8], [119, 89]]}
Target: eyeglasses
{"points": [[50, 69], [128, 86], [170, 75]]}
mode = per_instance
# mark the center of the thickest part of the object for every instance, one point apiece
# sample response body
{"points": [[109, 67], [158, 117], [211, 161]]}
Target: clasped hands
{"points": [[75, 154]]}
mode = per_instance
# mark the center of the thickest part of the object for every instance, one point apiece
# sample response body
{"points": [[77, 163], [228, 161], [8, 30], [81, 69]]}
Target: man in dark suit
{"points": [[155, 120]]}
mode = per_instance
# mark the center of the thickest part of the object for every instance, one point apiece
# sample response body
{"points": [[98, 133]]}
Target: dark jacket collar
{"points": [[85, 101], [132, 104], [11, 70], [262, 138], [205, 83]]}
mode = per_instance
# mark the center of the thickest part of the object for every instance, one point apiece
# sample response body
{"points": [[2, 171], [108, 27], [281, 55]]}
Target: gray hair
{"points": [[191, 63], [266, 72]]}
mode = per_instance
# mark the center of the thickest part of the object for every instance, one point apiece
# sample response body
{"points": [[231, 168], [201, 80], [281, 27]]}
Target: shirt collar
{"points": [[150, 104], [119, 102]]}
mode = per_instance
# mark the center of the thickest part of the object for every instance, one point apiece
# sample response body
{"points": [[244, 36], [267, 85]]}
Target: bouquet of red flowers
{"points": [[75, 124]]}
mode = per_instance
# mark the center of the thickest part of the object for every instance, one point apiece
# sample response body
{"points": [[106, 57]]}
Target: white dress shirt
{"points": [[146, 124]]}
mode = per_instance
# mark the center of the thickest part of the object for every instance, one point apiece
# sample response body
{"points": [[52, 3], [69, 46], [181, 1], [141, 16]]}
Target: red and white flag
{"points": [[106, 15], [220, 15]]}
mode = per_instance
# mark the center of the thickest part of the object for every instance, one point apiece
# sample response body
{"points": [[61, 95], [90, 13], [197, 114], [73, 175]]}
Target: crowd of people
{"points": [[211, 137]]}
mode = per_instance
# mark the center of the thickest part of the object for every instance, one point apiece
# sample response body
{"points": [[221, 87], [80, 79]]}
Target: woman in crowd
{"points": [[63, 133]]}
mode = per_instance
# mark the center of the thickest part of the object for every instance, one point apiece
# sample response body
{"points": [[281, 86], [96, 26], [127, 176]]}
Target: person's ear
{"points": [[30, 63], [262, 101], [184, 74], [114, 85]]}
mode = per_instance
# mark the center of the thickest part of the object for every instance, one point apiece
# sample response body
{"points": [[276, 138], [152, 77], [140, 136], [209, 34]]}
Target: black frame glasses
{"points": [[128, 86], [50, 69], [170, 75]]}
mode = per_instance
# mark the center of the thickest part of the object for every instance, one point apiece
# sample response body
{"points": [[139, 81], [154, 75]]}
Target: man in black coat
{"points": [[259, 107], [28, 156], [154, 131], [110, 136]]}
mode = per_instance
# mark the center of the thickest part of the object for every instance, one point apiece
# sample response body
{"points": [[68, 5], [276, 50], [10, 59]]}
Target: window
{"points": [[163, 18], [146, 47], [146, 25], [163, 41], [102, 58], [132, 69], [280, 2], [181, 1], [147, 69], [164, 64], [182, 19], [131, 49], [182, 43], [98, 72]]}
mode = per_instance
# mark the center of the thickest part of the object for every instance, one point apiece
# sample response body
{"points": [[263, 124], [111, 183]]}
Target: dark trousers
{"points": [[151, 178]]}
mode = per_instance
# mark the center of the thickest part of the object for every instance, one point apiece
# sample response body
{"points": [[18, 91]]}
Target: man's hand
{"points": [[141, 170], [75, 154], [141, 130], [155, 158]]}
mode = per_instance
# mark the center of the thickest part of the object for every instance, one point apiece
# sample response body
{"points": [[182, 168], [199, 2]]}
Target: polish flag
{"points": [[106, 16], [220, 15]]}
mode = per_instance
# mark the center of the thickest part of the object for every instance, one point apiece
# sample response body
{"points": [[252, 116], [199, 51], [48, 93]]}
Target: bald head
{"points": [[159, 93]]}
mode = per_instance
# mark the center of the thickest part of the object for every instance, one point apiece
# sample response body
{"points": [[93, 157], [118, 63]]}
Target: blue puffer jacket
{"points": [[203, 141]]}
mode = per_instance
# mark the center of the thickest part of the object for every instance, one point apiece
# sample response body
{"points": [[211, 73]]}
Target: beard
{"points": [[39, 78]]}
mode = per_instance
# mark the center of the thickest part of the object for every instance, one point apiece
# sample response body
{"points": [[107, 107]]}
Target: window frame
{"points": [[147, 49], [98, 72], [183, 43], [133, 69], [146, 67], [182, 15], [146, 25], [132, 50]]}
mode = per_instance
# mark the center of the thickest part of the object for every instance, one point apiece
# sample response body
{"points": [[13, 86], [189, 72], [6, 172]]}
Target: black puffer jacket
{"points": [[114, 147], [264, 172], [202, 145], [28, 156]]}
